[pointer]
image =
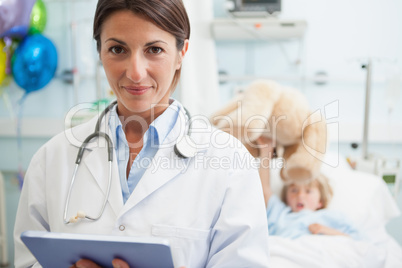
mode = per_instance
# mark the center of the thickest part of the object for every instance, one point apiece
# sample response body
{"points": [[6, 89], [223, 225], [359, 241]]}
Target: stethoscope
{"points": [[184, 148]]}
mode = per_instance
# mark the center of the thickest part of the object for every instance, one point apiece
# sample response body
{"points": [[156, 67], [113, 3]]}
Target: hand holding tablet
{"points": [[64, 249]]}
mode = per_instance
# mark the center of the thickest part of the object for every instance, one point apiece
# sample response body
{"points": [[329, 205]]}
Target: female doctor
{"points": [[208, 203]]}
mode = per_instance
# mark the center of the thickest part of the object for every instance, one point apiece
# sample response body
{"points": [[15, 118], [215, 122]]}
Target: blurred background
{"points": [[344, 56]]}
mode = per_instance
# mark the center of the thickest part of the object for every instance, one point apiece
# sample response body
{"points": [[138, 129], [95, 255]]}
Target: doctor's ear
{"points": [[182, 53]]}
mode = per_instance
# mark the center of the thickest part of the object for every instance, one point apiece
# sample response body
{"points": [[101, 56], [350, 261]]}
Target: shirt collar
{"points": [[159, 129], [164, 123]]}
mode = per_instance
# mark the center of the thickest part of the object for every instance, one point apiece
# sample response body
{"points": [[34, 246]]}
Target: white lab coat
{"points": [[210, 207]]}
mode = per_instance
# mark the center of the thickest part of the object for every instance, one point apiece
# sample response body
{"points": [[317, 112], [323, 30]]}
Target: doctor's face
{"points": [[140, 61], [300, 197]]}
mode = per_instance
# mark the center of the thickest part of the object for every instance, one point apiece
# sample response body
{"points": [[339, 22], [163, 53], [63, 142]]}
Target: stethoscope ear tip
{"points": [[80, 215]]}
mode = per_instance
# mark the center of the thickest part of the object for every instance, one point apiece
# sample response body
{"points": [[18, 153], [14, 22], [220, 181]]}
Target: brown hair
{"points": [[169, 15], [323, 186]]}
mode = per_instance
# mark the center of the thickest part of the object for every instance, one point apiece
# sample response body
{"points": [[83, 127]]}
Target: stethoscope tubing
{"points": [[77, 163], [95, 134]]}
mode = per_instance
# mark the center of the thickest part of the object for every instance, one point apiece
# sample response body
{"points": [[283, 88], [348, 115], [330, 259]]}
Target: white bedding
{"points": [[366, 200], [332, 251]]}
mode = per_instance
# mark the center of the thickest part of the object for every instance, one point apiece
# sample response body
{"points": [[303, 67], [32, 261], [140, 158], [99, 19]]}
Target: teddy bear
{"points": [[267, 108]]}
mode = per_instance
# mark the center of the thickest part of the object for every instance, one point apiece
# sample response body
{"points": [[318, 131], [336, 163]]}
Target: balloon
{"points": [[14, 13], [38, 17], [34, 62], [11, 45], [17, 31], [3, 61]]}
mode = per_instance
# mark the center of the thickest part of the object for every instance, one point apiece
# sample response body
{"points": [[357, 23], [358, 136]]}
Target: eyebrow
{"points": [[116, 40], [124, 43], [154, 42]]}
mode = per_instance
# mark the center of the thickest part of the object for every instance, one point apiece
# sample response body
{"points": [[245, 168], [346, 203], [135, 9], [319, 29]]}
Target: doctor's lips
{"points": [[137, 90]]}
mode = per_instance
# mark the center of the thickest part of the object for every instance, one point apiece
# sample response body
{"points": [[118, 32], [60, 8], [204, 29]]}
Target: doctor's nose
{"points": [[136, 68]]}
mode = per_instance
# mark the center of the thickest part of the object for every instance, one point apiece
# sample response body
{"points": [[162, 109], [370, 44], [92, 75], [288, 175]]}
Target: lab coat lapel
{"points": [[98, 166], [166, 166]]}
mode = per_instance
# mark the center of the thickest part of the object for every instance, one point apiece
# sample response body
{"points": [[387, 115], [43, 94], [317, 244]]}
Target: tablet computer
{"points": [[64, 249]]}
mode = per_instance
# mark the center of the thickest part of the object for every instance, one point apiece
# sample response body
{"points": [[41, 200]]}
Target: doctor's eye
{"points": [[116, 50], [155, 50]]}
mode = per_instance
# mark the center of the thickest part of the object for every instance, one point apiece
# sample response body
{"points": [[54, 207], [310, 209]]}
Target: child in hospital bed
{"points": [[302, 208]]}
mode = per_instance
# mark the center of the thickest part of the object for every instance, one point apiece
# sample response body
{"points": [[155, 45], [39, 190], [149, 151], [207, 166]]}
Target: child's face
{"points": [[300, 197]]}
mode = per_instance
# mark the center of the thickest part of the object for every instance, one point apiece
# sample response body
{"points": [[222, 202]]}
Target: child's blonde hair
{"points": [[323, 186]]}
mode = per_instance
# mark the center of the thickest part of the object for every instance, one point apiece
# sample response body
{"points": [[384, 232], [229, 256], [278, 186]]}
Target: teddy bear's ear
{"points": [[247, 115]]}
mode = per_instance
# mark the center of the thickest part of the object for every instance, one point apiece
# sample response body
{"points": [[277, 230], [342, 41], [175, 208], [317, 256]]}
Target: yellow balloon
{"points": [[3, 61]]}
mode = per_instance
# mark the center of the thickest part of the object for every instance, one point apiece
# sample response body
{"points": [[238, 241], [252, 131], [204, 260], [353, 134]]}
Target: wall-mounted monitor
{"points": [[267, 6]]}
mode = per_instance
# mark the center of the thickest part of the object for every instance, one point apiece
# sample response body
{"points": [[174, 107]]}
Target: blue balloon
{"points": [[16, 32], [34, 62]]}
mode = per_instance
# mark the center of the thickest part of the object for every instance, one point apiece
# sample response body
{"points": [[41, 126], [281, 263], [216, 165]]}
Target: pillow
{"points": [[363, 197]]}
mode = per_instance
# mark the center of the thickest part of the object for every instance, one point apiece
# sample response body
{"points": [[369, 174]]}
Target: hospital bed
{"points": [[366, 200]]}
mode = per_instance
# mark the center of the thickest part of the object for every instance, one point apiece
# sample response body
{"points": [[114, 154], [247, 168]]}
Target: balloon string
{"points": [[8, 41], [8, 104], [21, 172]]}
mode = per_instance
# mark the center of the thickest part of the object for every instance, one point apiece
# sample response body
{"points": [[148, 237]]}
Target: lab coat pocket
{"points": [[190, 246]]}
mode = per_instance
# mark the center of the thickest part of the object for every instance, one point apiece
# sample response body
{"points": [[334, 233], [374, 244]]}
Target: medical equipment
{"points": [[254, 8], [184, 148], [368, 67], [263, 29], [388, 170]]}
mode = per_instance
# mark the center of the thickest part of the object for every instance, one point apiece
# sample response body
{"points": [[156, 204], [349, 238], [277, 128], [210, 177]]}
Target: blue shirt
{"points": [[155, 135], [283, 222]]}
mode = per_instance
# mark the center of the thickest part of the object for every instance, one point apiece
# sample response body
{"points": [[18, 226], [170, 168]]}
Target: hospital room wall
{"points": [[340, 37], [335, 39]]}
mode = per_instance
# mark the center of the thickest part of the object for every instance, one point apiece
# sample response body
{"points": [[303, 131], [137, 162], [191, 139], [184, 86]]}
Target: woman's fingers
{"points": [[117, 263], [86, 264]]}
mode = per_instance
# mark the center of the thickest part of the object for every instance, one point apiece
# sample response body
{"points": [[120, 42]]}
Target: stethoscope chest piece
{"points": [[185, 147]]}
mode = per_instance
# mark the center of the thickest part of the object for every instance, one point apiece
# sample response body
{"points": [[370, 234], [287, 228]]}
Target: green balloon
{"points": [[38, 17]]}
